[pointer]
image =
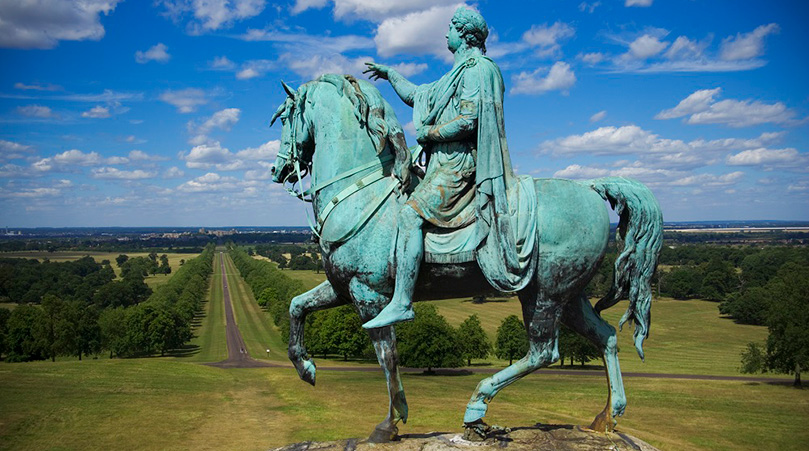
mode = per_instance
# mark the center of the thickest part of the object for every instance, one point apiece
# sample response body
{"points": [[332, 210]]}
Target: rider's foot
{"points": [[395, 312]]}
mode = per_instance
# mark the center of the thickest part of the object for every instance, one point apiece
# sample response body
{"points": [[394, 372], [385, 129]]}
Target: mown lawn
{"points": [[209, 343], [166, 404]]}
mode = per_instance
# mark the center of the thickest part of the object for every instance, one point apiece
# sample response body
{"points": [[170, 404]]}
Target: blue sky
{"points": [[155, 113]]}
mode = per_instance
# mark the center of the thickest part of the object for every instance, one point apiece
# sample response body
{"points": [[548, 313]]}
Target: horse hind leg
{"points": [[369, 304], [319, 298], [542, 321], [580, 316]]}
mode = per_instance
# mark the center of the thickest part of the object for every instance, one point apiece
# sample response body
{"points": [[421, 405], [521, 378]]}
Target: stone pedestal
{"points": [[538, 437]]}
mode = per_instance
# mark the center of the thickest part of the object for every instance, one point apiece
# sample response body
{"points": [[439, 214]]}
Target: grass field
{"points": [[63, 256], [165, 404], [209, 342]]}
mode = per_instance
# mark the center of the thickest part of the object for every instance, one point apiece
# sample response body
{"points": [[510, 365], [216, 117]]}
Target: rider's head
{"points": [[471, 26]]}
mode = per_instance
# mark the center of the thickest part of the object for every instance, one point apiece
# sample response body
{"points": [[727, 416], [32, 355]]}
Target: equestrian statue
{"points": [[466, 226]]}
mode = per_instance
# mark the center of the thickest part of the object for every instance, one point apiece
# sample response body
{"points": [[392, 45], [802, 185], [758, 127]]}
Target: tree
{"points": [[473, 340], [165, 268], [576, 347], [52, 306], [25, 334], [748, 307], [5, 314], [428, 341], [787, 348], [78, 331], [512, 339], [112, 328], [341, 332], [121, 259]]}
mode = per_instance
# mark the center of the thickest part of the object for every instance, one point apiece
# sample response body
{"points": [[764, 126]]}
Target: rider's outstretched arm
{"points": [[403, 87]]}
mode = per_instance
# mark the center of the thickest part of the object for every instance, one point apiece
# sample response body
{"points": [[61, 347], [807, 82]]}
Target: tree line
{"points": [[79, 309]]}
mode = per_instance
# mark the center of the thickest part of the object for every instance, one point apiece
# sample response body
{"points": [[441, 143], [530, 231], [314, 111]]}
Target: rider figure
{"points": [[446, 116]]}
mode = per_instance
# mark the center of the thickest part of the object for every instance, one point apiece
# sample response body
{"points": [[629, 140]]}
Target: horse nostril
{"points": [[272, 170]]}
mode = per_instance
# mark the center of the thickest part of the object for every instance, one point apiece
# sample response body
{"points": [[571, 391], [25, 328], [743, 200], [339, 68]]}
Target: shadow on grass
{"points": [[577, 367], [442, 372], [187, 350]]}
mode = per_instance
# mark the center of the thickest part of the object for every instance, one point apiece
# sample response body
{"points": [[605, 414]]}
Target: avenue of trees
{"points": [[78, 308], [292, 256]]}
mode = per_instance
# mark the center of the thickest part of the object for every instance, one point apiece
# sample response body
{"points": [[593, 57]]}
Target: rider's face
{"points": [[454, 39]]}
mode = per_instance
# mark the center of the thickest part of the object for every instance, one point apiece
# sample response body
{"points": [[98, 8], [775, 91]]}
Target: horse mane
{"points": [[369, 108]]}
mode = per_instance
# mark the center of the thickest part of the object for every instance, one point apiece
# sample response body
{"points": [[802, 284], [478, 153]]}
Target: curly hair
{"points": [[471, 26]]}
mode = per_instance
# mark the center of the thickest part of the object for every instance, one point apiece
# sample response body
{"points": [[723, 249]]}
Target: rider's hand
{"points": [[377, 71], [422, 134], [402, 174]]}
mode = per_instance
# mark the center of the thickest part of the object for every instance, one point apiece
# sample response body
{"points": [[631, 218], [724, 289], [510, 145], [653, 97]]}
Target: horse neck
{"points": [[340, 146]]}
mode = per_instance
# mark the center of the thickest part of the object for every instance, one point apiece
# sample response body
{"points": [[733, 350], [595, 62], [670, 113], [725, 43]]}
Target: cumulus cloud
{"points": [[97, 112], [416, 33], [158, 52], [789, 159], [42, 24], [592, 58], [211, 15], [221, 120], [558, 78], [173, 173], [701, 107], [114, 173], [211, 182], [641, 3], [646, 46], [546, 38], [247, 74], [11, 151], [745, 46], [222, 62], [185, 100], [371, 10], [38, 111], [213, 156], [141, 156]]}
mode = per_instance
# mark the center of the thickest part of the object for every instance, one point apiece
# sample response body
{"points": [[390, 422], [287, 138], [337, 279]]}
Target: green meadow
{"points": [[178, 403]]}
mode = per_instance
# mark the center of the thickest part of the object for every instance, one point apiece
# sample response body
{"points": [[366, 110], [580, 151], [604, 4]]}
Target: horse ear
{"points": [[278, 113], [290, 92]]}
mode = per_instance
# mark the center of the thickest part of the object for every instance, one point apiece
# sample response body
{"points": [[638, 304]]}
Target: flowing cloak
{"points": [[504, 205]]}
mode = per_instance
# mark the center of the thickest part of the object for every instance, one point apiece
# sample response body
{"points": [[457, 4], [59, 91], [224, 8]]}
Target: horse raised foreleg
{"points": [[580, 316], [370, 303], [319, 298], [541, 325]]}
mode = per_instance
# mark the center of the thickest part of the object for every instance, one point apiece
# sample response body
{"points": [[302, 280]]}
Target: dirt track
{"points": [[237, 350]]}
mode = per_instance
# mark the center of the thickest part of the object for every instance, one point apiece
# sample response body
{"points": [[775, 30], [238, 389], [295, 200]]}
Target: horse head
{"points": [[297, 145]]}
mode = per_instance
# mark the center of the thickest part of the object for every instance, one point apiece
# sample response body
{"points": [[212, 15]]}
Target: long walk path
{"points": [[237, 350]]}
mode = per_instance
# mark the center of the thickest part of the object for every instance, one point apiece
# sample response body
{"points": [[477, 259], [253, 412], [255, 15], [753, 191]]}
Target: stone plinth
{"points": [[538, 437]]}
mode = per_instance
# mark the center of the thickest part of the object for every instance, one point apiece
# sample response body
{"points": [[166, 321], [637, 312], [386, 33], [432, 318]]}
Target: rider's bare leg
{"points": [[409, 252]]}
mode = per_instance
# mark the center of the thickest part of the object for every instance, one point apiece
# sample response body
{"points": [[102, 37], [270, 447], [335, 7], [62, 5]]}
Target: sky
{"points": [[156, 113]]}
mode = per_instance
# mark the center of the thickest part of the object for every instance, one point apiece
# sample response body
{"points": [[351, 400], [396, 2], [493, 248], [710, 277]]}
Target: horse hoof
{"points": [[475, 411], [384, 435], [307, 371]]}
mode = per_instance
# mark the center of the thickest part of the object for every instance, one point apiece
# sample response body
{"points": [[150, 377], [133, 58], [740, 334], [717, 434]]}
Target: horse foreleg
{"points": [[319, 298], [542, 322], [580, 316], [369, 303], [384, 341]]}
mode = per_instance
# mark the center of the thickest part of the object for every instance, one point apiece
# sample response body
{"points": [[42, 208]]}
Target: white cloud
{"points": [[685, 49], [416, 33], [213, 155], [371, 10], [592, 58], [212, 15], [114, 173], [222, 120], [575, 171], [77, 157], [588, 7], [37, 87], [37, 111], [646, 46], [547, 38], [323, 43], [173, 173], [598, 116], [222, 62], [788, 159], [641, 3], [210, 182], [139, 155], [712, 180], [266, 151], [701, 107], [97, 112], [745, 46], [11, 151], [247, 74], [316, 65], [42, 24], [158, 52], [185, 100], [559, 78]]}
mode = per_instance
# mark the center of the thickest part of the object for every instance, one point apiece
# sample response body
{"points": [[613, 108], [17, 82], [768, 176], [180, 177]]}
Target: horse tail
{"points": [[641, 229]]}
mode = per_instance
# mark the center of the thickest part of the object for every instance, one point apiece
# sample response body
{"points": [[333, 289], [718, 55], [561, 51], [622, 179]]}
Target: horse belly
{"points": [[447, 281]]}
